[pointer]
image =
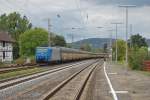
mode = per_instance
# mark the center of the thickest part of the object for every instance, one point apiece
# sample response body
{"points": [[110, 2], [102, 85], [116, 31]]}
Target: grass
{"points": [[121, 62], [1, 64], [20, 73]]}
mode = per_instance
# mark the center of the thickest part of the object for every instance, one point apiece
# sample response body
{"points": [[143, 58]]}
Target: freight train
{"points": [[62, 54]]}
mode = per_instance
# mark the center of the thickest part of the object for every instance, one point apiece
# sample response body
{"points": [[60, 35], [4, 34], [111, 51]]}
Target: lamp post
{"points": [[116, 24], [72, 35], [130, 35], [126, 8]]}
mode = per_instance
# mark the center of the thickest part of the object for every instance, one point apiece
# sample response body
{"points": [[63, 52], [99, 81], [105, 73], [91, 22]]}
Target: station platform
{"points": [[128, 84]]}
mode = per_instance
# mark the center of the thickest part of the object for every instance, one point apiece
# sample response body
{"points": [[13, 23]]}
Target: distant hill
{"points": [[94, 42], [97, 42]]}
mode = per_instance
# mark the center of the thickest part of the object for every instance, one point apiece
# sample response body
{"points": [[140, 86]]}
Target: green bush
{"points": [[137, 56]]}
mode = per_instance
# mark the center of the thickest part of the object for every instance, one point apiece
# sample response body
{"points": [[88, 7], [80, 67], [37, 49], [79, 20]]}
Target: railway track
{"points": [[48, 68], [92, 89], [36, 88], [72, 87], [5, 83], [17, 67]]}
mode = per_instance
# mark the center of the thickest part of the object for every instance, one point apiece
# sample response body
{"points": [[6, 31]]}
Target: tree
{"points": [[138, 53], [121, 49], [31, 39], [14, 24], [97, 50], [58, 40], [136, 57], [86, 47], [138, 41]]}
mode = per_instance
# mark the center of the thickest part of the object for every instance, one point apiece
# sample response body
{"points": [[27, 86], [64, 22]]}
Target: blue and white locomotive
{"points": [[61, 54]]}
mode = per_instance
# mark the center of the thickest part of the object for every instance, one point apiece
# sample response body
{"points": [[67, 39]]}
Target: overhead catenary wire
{"points": [[78, 5], [84, 22]]}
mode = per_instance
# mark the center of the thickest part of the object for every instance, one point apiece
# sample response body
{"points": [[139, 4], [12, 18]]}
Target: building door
{"points": [[3, 43], [3, 54]]}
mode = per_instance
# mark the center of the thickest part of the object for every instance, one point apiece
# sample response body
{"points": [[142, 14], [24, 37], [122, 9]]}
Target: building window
{"points": [[3, 55]]}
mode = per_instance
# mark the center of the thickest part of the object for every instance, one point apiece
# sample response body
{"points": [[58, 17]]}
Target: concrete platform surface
{"points": [[128, 84]]}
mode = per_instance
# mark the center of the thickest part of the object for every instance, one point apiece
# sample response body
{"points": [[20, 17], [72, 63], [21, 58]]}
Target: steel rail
{"points": [[24, 79], [52, 92]]}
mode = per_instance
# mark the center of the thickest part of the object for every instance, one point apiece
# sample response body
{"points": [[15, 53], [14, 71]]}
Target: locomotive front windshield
{"points": [[41, 50]]}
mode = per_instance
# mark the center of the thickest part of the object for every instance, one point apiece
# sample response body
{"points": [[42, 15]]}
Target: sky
{"points": [[90, 18]]}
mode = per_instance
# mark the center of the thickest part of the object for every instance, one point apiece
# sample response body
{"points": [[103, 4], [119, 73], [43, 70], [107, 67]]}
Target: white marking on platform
{"points": [[112, 73], [120, 92], [109, 83]]}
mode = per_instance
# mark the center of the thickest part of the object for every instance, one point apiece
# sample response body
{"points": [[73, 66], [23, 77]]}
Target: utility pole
{"points": [[116, 24], [72, 38], [110, 43], [49, 32], [126, 8]]}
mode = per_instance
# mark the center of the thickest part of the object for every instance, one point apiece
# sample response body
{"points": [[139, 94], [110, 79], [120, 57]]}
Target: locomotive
{"points": [[62, 54]]}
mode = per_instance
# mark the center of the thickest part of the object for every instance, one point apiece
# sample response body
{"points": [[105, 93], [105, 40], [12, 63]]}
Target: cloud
{"points": [[86, 14], [118, 2]]}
